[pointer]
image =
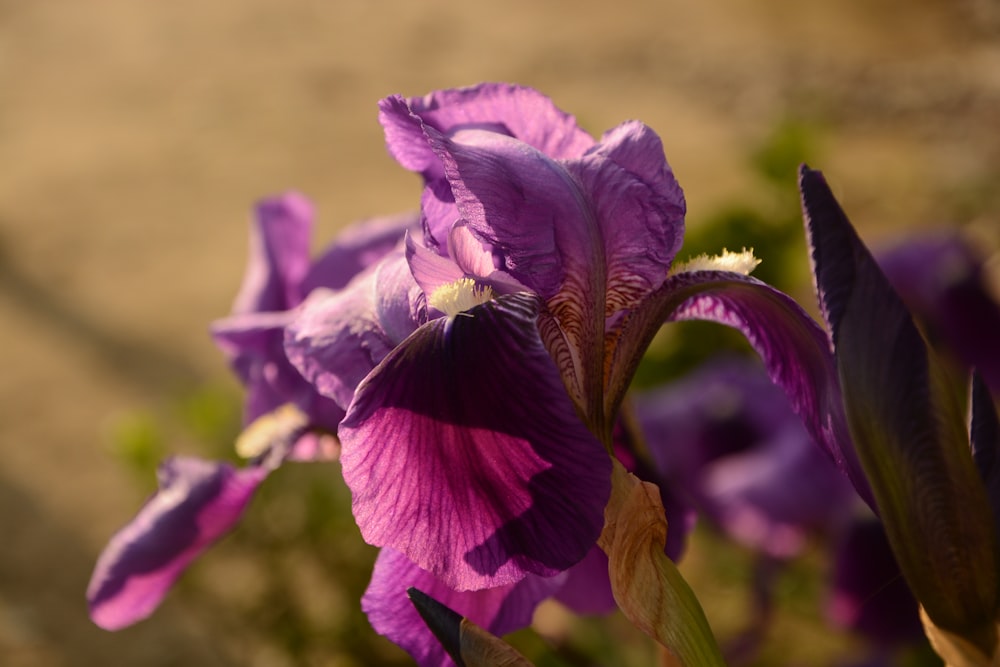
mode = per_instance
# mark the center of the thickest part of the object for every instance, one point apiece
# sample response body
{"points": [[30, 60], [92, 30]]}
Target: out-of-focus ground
{"points": [[135, 136]]}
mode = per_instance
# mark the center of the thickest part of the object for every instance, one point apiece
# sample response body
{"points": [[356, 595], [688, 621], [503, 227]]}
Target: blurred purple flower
{"points": [[200, 501], [726, 439], [942, 280]]}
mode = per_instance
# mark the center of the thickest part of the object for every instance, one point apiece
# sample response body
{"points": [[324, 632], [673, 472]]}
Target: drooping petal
{"points": [[463, 451], [337, 338], [795, 351], [908, 429], [356, 248], [197, 503], [640, 208], [500, 610], [279, 255]]}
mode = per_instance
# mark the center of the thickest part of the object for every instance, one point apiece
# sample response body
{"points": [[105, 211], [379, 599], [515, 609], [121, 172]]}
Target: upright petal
{"points": [[500, 610], [640, 209], [197, 503], [536, 217], [463, 451], [279, 255], [515, 111]]}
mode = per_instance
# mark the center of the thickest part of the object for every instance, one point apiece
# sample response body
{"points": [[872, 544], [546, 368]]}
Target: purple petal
{"points": [[795, 351], [279, 255], [535, 216], [197, 503], [358, 247], [254, 344], [586, 588], [339, 337], [515, 111], [463, 451], [499, 610], [524, 204], [640, 209], [431, 270]]}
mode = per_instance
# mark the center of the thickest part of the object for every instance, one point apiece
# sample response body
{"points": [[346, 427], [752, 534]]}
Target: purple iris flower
{"points": [[199, 501], [479, 369], [477, 448]]}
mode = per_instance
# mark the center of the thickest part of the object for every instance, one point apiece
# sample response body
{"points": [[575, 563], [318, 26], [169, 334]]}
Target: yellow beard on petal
{"points": [[737, 262], [459, 296]]}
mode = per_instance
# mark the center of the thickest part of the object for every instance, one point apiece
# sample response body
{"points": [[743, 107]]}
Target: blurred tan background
{"points": [[135, 137]]}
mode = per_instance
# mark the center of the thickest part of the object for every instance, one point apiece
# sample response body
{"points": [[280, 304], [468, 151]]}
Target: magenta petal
{"points": [[197, 503], [499, 610], [279, 255], [463, 451]]}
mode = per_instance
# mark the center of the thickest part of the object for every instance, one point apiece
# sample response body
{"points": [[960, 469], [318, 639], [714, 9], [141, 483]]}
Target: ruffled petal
{"points": [[197, 503], [524, 204], [515, 111], [640, 209], [499, 610], [463, 451], [543, 226]]}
